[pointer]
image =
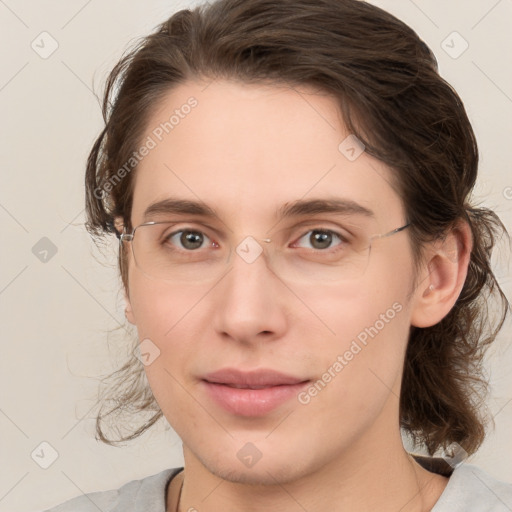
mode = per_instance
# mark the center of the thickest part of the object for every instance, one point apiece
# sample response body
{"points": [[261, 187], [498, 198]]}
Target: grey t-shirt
{"points": [[469, 489]]}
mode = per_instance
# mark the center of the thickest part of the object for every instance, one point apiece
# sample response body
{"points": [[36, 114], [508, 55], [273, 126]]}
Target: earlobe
{"points": [[445, 274], [119, 224], [128, 312]]}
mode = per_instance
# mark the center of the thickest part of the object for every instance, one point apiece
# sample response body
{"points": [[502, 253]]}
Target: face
{"points": [[246, 152]]}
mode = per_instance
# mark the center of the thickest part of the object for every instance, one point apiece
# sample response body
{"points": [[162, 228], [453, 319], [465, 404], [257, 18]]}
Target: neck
{"points": [[387, 481]]}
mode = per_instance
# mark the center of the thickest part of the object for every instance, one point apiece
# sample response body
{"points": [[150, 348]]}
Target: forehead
{"points": [[247, 150]]}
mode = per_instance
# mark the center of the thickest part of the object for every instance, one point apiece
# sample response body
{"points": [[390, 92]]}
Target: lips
{"points": [[256, 379], [252, 393], [243, 386]]}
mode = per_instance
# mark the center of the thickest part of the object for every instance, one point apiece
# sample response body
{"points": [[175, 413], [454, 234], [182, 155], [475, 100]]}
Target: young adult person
{"points": [[290, 182]]}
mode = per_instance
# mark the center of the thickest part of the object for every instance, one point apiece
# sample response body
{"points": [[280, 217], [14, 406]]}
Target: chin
{"points": [[272, 471]]}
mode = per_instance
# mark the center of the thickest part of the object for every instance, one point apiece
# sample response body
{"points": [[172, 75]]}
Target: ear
{"points": [[119, 224], [128, 310], [444, 273]]}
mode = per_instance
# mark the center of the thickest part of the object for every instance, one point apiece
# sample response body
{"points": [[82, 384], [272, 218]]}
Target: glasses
{"points": [[178, 252]]}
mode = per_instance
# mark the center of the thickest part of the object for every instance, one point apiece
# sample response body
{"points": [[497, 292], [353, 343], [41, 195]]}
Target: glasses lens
{"points": [[343, 260], [185, 255], [164, 252]]}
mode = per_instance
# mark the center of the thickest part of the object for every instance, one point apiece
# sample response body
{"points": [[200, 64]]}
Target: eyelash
{"points": [[340, 237]]}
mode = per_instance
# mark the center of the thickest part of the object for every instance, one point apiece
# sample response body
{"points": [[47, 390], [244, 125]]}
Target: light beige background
{"points": [[55, 315]]}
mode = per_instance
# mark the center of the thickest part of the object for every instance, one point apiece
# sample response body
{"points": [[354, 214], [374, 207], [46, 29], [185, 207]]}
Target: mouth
{"points": [[254, 379], [243, 386], [251, 393]]}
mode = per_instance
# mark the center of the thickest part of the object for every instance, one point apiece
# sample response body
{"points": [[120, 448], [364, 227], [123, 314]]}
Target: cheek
{"points": [[173, 319], [371, 334], [358, 310], [160, 308], [368, 323], [169, 318], [361, 368]]}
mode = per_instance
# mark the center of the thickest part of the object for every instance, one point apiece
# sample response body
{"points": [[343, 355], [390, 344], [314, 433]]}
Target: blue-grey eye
{"points": [[189, 240], [320, 238]]}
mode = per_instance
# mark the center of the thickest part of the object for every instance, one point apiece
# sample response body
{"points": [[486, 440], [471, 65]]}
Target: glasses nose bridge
{"points": [[251, 249], [247, 256]]}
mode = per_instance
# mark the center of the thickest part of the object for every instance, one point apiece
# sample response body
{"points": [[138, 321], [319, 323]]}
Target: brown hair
{"points": [[386, 82]]}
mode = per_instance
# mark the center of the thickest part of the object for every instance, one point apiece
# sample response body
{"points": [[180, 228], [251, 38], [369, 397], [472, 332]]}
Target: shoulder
{"points": [[473, 489], [135, 496]]}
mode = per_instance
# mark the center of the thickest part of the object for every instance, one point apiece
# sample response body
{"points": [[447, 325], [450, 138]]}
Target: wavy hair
{"points": [[386, 82]]}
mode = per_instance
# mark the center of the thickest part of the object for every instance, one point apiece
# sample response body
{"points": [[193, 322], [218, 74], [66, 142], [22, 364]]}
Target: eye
{"points": [[189, 239], [319, 239]]}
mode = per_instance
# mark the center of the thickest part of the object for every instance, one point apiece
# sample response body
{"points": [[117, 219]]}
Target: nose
{"points": [[250, 301]]}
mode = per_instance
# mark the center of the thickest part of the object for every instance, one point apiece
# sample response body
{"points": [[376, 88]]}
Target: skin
{"points": [[271, 145]]}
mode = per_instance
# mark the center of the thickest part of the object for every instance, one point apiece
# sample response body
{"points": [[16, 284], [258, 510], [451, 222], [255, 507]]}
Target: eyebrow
{"points": [[293, 209]]}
